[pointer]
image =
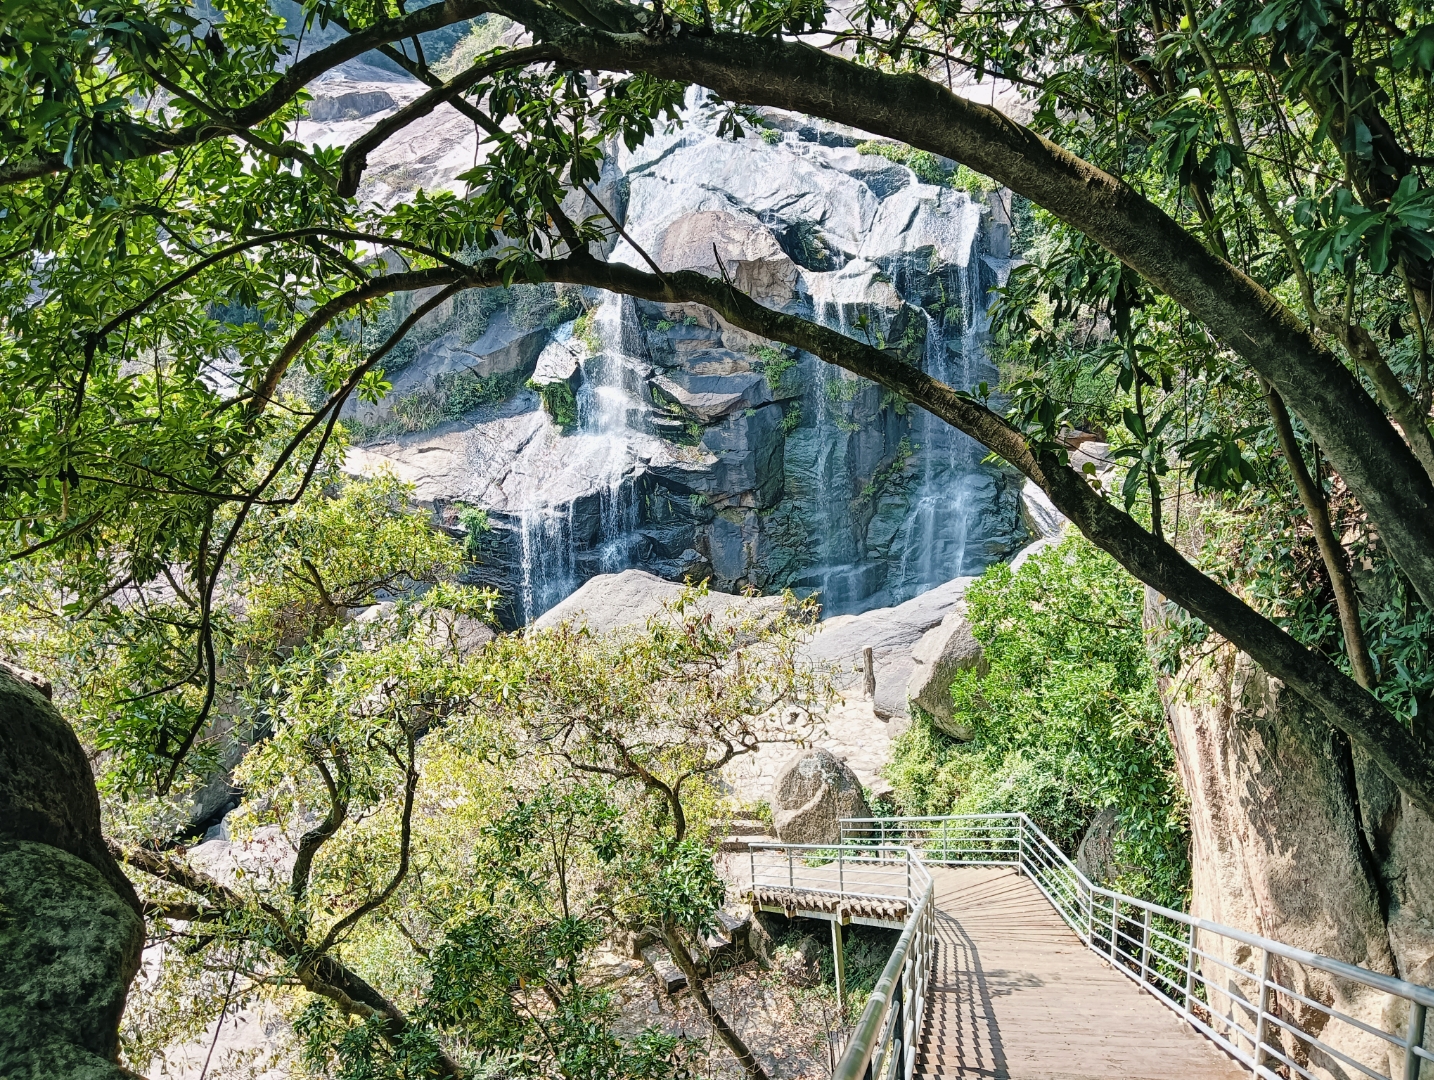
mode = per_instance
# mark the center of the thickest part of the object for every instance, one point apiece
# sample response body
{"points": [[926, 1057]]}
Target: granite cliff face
{"points": [[630, 434], [1297, 836]]}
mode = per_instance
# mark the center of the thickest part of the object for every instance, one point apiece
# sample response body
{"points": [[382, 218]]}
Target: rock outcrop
{"points": [[811, 796], [1296, 839], [689, 448], [938, 656], [631, 598], [892, 634], [70, 925]]}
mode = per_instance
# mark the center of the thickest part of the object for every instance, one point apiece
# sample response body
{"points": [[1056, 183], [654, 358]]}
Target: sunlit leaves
{"points": [[1340, 228]]}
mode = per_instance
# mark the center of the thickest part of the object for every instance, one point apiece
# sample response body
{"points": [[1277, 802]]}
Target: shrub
{"points": [[926, 165], [1067, 720]]}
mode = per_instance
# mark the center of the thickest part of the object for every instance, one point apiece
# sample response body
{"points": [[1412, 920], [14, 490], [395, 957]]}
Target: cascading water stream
{"points": [[559, 541], [934, 540]]}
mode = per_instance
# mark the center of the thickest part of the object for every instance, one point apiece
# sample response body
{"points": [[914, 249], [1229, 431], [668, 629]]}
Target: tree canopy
{"points": [[1237, 253]]}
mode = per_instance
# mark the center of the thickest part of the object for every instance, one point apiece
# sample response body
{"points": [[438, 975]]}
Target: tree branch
{"points": [[1343, 703], [355, 159]]}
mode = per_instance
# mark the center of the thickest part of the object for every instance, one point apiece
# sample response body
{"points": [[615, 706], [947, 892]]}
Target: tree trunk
{"points": [[750, 1065]]}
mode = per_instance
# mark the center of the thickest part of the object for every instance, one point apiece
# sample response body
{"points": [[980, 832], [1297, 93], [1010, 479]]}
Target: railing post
{"points": [[791, 880], [1145, 950], [841, 872], [1090, 914], [752, 869], [1413, 1039], [1114, 920], [1189, 971], [1258, 1053]]}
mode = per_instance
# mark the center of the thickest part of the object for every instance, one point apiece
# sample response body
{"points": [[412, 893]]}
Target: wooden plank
{"points": [[1016, 996]]}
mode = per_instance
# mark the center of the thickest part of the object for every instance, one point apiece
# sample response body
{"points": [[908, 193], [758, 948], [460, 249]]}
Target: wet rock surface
{"points": [[697, 450]]}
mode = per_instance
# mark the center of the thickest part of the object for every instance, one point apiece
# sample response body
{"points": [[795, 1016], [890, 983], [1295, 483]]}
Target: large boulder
{"points": [[1038, 513], [70, 925], [939, 655], [506, 345], [751, 258], [710, 397], [811, 796], [628, 600], [891, 633], [1278, 847], [342, 100]]}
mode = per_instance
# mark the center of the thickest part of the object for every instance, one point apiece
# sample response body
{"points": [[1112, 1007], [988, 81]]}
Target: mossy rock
{"points": [[70, 925], [71, 945]]}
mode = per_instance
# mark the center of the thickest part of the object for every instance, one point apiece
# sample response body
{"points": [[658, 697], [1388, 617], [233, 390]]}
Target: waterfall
{"points": [[584, 520], [547, 564], [941, 535], [936, 537]]}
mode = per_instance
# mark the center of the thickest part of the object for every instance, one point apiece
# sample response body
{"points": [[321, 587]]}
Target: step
{"points": [[745, 827], [669, 975]]}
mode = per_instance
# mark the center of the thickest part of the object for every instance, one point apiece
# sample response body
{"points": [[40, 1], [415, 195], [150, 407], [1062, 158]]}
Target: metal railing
{"points": [[1274, 1008], [844, 875], [853, 878]]}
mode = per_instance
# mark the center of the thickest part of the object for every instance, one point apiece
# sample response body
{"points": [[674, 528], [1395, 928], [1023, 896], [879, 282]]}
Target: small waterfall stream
{"points": [[935, 540], [940, 536], [591, 528]]}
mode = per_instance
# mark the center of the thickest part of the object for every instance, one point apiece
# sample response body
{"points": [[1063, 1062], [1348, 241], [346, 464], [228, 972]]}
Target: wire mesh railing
{"points": [[1283, 1012]]}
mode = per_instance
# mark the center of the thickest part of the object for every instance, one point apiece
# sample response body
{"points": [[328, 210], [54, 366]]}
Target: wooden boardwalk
{"points": [[1014, 994]]}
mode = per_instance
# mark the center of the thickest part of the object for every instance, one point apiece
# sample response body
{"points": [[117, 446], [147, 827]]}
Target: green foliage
{"points": [[842, 389], [482, 37], [926, 166], [773, 362], [293, 573], [1065, 722], [474, 520], [451, 396], [561, 793], [1403, 228], [303, 566], [559, 401], [585, 332], [973, 183]]}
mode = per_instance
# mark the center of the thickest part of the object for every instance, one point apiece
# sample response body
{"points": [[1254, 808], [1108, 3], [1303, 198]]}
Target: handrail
{"points": [[1249, 1012], [865, 1037], [883, 1043]]}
